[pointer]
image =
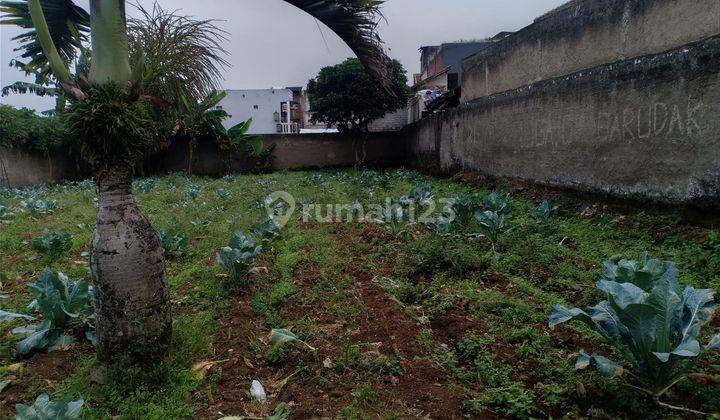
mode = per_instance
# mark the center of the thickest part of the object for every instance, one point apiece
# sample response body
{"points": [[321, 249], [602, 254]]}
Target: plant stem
{"points": [[43, 33], [677, 408]]}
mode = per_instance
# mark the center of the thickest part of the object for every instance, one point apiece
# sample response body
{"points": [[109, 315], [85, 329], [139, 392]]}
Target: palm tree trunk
{"points": [[128, 270]]}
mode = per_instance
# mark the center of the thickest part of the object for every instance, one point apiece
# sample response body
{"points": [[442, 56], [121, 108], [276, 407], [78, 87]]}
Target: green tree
{"points": [[113, 119], [346, 96]]}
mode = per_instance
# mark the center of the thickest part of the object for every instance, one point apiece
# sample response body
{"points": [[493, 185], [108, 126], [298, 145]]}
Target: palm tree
{"points": [[112, 118]]}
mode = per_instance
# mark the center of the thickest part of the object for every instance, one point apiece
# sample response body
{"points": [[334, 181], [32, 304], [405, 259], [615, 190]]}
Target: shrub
{"points": [[23, 128], [652, 322], [53, 243], [64, 306]]}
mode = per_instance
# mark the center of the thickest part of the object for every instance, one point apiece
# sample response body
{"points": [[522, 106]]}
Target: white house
{"points": [[266, 107]]}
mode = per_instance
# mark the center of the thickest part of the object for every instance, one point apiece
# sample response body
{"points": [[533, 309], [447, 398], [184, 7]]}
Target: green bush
{"points": [[24, 129]]}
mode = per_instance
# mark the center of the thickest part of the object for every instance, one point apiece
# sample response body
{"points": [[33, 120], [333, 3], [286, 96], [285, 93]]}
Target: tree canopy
{"points": [[346, 96]]}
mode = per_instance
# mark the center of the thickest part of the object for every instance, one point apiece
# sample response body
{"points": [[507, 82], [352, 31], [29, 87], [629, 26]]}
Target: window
{"points": [[255, 107], [219, 107]]}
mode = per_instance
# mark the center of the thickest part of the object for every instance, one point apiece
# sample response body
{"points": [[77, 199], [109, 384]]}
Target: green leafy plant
{"points": [[542, 213], [64, 305], [267, 231], [497, 202], [393, 217], [464, 208], [53, 243], [281, 412], [175, 245], [285, 336], [6, 213], [238, 258], [421, 195], [222, 193], [46, 409], [145, 185], [193, 191], [37, 206], [652, 322], [25, 129], [493, 225]]}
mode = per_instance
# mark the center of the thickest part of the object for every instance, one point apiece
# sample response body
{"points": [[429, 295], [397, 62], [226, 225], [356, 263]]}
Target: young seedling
{"points": [[285, 336]]}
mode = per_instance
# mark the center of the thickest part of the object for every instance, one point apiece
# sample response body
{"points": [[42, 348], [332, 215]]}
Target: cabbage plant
{"points": [[267, 231], [37, 206], [493, 225], [46, 409], [652, 322], [6, 213], [542, 213], [174, 244], [464, 208], [64, 305], [238, 258], [497, 202], [53, 243]]}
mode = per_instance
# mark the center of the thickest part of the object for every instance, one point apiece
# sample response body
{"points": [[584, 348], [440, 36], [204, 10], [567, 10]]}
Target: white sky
{"points": [[273, 44]]}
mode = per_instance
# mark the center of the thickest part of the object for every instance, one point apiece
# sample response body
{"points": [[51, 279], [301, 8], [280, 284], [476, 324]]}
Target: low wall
{"points": [[647, 127], [292, 152], [20, 168], [584, 34]]}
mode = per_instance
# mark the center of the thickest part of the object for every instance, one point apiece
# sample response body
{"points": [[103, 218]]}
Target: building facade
{"points": [[268, 109]]}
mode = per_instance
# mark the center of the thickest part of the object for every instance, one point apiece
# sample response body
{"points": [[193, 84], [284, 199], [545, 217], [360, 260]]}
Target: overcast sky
{"points": [[272, 44]]}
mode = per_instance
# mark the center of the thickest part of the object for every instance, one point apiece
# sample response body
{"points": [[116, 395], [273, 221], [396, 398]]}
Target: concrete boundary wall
{"points": [[20, 168], [642, 128], [292, 152], [584, 34]]}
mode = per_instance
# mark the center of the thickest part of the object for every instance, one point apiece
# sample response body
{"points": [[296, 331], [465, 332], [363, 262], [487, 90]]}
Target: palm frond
{"points": [[180, 55], [355, 21], [25, 87], [68, 23]]}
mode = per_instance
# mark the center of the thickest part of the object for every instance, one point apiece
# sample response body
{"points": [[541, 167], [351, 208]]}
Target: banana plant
{"points": [[652, 322], [113, 120]]}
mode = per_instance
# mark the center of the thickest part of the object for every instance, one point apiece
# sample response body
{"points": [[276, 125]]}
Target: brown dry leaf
{"points": [[248, 363], [200, 369]]}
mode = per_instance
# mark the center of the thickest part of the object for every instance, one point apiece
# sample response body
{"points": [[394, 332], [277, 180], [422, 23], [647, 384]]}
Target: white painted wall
{"points": [[241, 105]]}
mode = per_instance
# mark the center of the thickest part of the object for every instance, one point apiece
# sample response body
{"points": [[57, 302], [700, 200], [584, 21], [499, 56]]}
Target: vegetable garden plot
{"points": [[380, 317]]}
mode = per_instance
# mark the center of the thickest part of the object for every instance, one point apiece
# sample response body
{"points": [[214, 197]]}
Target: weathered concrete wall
{"points": [[646, 127], [305, 151], [20, 168], [292, 152], [584, 34]]}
